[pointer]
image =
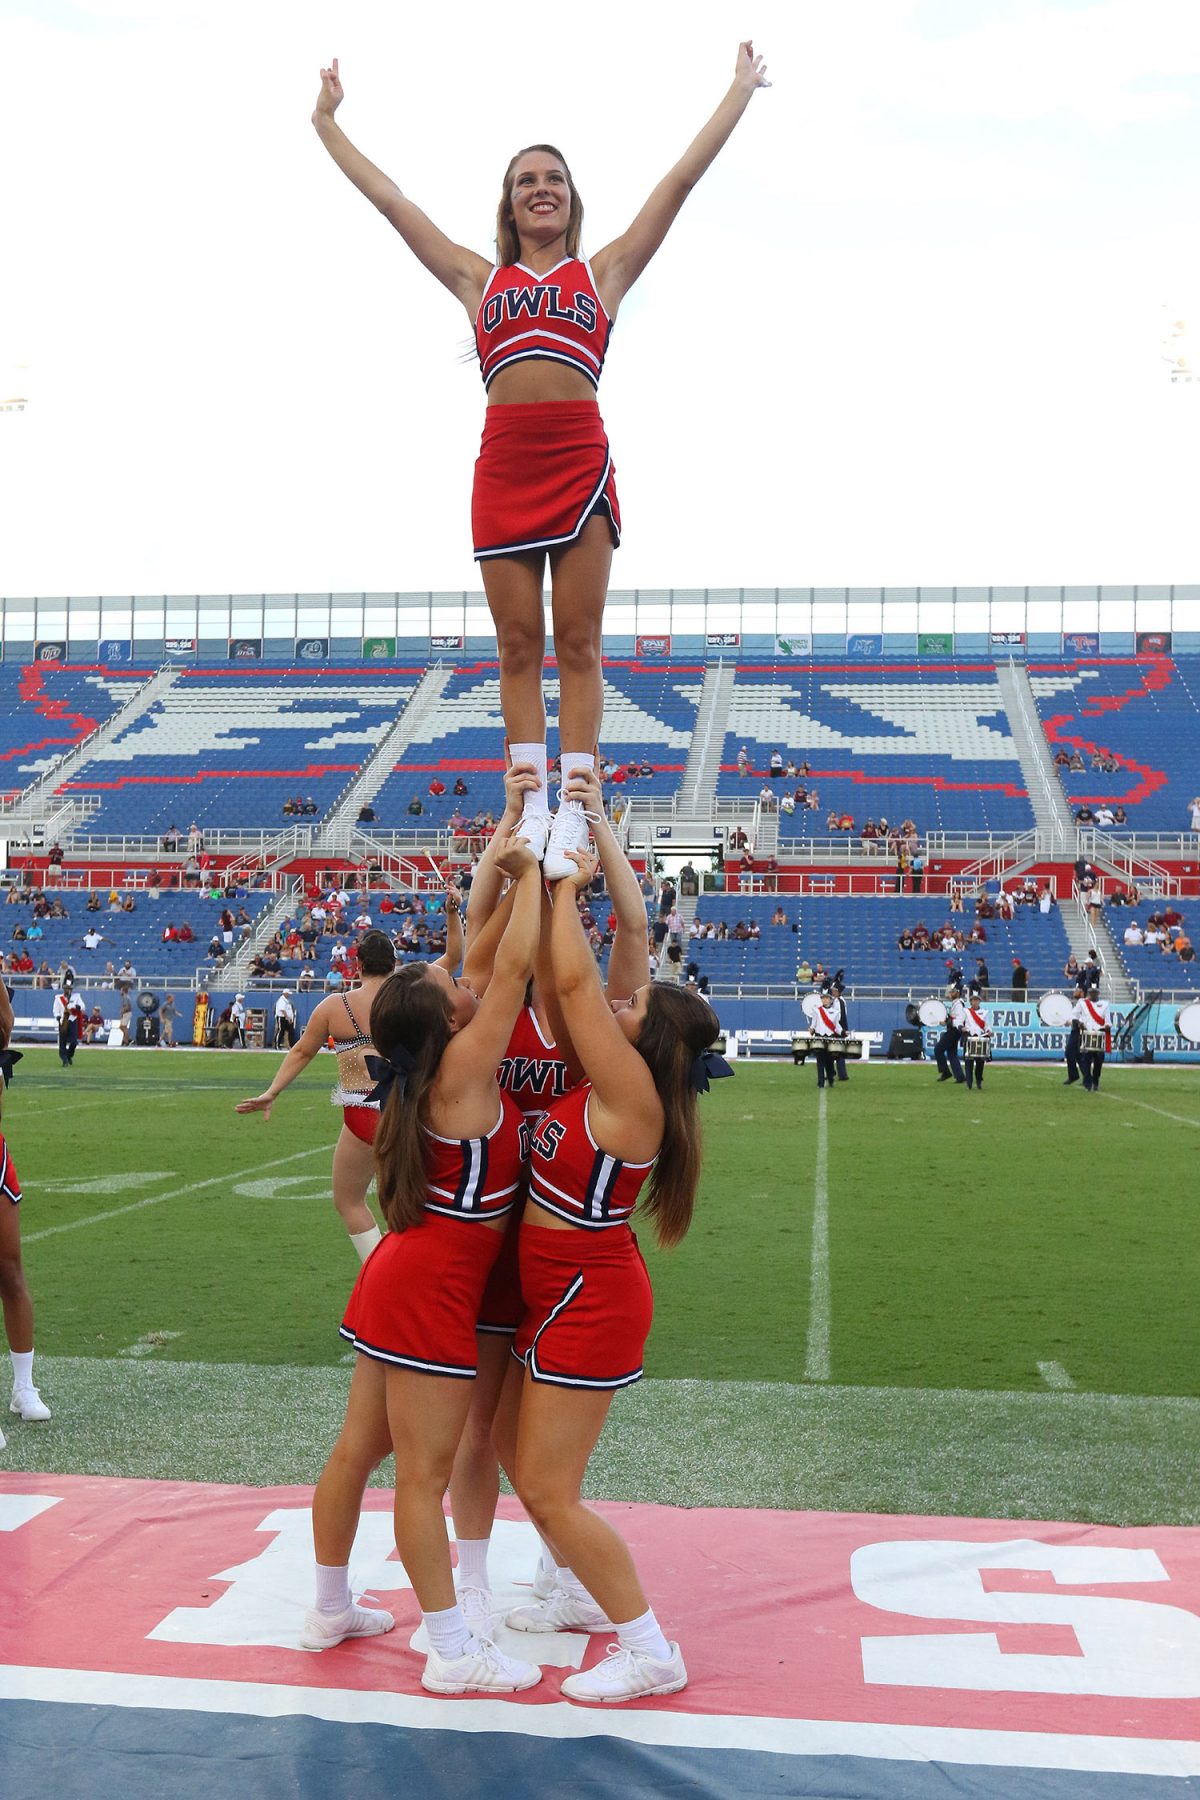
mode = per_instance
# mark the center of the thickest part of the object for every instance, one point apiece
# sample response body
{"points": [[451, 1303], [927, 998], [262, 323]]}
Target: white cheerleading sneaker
{"points": [[323, 1630], [569, 831], [627, 1675], [560, 1612], [534, 827], [545, 1582], [476, 1606], [481, 1669], [28, 1404], [3, 1440]]}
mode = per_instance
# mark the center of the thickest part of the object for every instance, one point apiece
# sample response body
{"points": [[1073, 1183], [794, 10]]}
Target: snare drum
{"points": [[932, 1013], [1091, 1043], [978, 1047], [1054, 1010]]}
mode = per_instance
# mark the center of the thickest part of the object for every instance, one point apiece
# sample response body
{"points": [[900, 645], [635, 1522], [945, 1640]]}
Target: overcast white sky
{"points": [[907, 330]]}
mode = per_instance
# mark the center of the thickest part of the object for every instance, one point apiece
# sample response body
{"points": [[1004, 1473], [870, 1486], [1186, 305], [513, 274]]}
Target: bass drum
{"points": [[932, 1012], [1054, 1010], [1187, 1022], [912, 1013], [810, 1006]]}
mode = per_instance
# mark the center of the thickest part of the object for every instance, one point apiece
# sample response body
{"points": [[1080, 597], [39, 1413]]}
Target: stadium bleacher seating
{"points": [[46, 708], [858, 934], [228, 746], [891, 741], [1145, 963], [649, 711], [1146, 713], [136, 935]]}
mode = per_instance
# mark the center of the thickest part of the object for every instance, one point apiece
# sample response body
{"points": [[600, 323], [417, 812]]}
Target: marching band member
{"points": [[972, 1021], [826, 1023], [945, 1051], [1092, 1013], [839, 1009], [1071, 1053]]}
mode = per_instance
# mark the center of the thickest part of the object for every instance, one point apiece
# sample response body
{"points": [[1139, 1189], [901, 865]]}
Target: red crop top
{"points": [[556, 317]]}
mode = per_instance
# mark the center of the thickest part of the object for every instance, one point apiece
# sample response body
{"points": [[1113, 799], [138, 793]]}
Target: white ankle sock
{"points": [[22, 1366], [538, 801], [570, 1583], [448, 1633], [472, 1563], [365, 1241], [333, 1588], [547, 1561], [645, 1635], [575, 759]]}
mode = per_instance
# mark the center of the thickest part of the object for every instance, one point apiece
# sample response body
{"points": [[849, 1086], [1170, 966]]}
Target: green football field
{"points": [[896, 1296]]}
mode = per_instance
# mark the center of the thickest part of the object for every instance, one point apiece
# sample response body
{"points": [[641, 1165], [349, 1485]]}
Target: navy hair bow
{"points": [[7, 1060], [708, 1066], [388, 1072]]}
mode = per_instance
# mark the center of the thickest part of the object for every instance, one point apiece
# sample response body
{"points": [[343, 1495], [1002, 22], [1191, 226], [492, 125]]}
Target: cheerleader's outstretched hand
{"points": [[515, 857], [586, 864], [331, 95], [751, 70]]}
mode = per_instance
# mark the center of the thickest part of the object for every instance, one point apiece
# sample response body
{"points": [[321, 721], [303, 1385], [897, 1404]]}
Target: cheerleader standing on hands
{"points": [[544, 484]]}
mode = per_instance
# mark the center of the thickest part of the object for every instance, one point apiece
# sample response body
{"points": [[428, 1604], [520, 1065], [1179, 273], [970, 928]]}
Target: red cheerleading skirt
{"points": [[361, 1122], [501, 1308], [588, 1307], [418, 1294], [544, 468], [10, 1187]]}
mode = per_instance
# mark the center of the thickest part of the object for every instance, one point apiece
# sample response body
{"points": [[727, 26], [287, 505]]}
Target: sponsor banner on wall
{"points": [[245, 649], [935, 643], [723, 640], [1153, 643], [50, 650], [652, 646], [447, 640], [379, 649], [1007, 640], [865, 645], [797, 643], [312, 649], [179, 646], [1081, 643], [114, 650], [1017, 1031]]}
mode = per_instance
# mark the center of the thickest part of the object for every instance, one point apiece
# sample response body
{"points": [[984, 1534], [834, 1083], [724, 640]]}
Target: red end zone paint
{"points": [[968, 1624]]}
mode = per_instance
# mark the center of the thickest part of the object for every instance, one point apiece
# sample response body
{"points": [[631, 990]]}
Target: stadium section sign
{"points": [[179, 646], [446, 640], [1007, 640], [50, 650], [935, 643], [652, 646], [795, 644], [378, 649], [312, 649], [245, 649], [865, 646], [723, 640], [1153, 643], [1081, 643], [114, 650]]}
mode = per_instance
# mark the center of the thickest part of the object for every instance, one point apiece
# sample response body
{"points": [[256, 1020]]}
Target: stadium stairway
{"points": [[236, 972], [1050, 810], [40, 791], [699, 786], [334, 837]]}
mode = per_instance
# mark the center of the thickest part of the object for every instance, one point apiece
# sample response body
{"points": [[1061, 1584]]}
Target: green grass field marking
{"points": [[1088, 1457], [192, 1187], [1128, 1100], [816, 1355]]}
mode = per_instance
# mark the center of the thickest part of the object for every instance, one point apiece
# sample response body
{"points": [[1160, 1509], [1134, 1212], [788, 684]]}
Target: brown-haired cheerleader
{"points": [[544, 485], [631, 1122], [448, 1169]]}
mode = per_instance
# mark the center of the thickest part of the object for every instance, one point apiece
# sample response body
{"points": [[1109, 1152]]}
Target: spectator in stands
{"points": [[1076, 764], [1085, 816], [766, 794], [416, 806], [169, 935], [743, 764], [1194, 813], [22, 963], [811, 798], [775, 767], [195, 839], [94, 1027], [290, 809], [846, 822], [94, 903], [367, 814], [1071, 970], [1046, 901], [125, 1019], [1105, 815], [804, 972], [675, 925], [790, 770], [779, 917], [1134, 934], [43, 975], [437, 788], [460, 787], [831, 819], [906, 941], [1093, 970], [1062, 758], [646, 767], [310, 809], [1019, 979], [1120, 816], [1183, 948]]}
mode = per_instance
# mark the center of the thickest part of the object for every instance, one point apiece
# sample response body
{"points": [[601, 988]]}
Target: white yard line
{"points": [[1124, 1100], [1054, 1375], [193, 1187], [816, 1356]]}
